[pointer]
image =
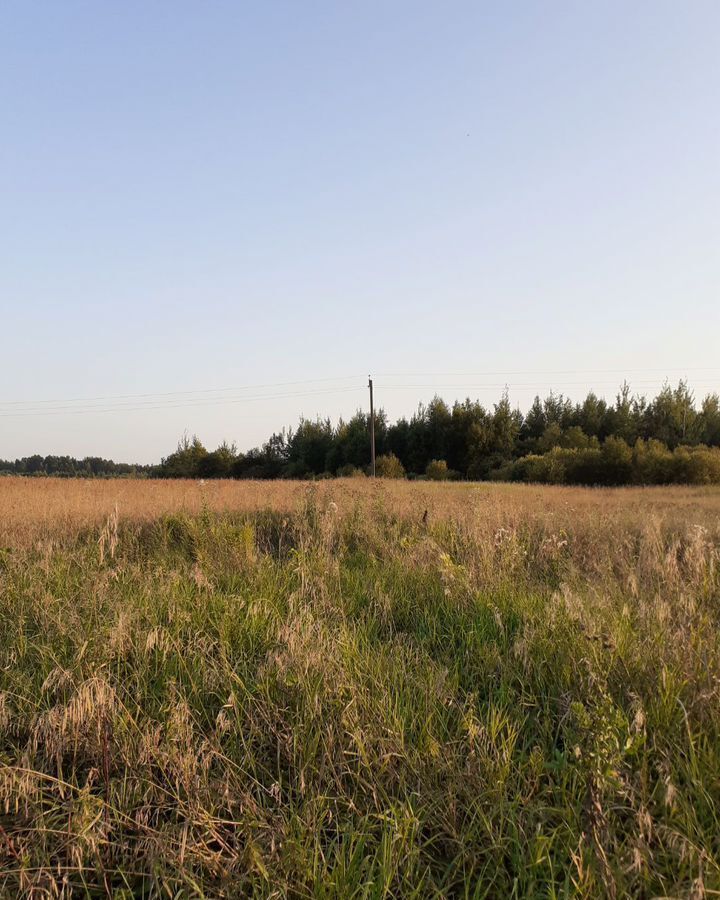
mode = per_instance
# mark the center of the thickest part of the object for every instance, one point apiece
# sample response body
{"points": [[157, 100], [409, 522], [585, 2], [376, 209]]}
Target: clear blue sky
{"points": [[218, 195]]}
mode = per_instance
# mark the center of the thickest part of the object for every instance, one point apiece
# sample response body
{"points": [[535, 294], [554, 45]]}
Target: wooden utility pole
{"points": [[372, 429]]}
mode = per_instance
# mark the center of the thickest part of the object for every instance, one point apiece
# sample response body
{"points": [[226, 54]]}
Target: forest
{"points": [[69, 467], [669, 439]]}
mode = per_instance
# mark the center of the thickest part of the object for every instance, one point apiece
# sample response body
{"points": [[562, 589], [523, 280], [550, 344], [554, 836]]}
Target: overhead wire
{"points": [[665, 371], [217, 401], [234, 395], [110, 397]]}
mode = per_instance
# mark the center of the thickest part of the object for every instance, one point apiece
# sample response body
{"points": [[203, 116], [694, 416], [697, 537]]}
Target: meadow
{"points": [[358, 688]]}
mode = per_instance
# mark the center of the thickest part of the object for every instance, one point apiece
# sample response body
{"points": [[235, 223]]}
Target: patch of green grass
{"points": [[312, 706]]}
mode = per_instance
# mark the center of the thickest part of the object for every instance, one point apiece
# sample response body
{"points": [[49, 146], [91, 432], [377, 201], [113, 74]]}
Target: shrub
{"points": [[350, 471], [389, 466], [616, 461], [437, 470], [696, 465], [652, 463]]}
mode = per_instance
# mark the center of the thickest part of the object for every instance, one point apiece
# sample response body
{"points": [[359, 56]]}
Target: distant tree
{"points": [[574, 438], [418, 441], [535, 422], [506, 424], [671, 416], [398, 441], [351, 445], [219, 463], [268, 461], [469, 435], [557, 408], [309, 447], [185, 461], [617, 458], [252, 464], [624, 418], [552, 437], [592, 416], [33, 465], [708, 421], [438, 421]]}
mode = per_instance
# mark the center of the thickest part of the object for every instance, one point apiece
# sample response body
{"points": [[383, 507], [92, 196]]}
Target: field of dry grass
{"points": [[314, 690], [35, 508]]}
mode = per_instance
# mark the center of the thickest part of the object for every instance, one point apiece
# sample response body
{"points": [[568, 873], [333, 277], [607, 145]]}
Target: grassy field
{"points": [[358, 689]]}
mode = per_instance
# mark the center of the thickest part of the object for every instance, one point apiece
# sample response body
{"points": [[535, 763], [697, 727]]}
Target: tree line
{"points": [[669, 439], [69, 467]]}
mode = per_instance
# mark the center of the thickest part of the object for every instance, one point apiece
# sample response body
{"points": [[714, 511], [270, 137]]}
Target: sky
{"points": [[218, 217]]}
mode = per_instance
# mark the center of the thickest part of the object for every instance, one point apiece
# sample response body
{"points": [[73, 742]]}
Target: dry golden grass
{"points": [[32, 509]]}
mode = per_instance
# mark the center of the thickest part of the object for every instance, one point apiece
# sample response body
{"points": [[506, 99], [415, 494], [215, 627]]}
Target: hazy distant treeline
{"points": [[669, 439], [69, 467]]}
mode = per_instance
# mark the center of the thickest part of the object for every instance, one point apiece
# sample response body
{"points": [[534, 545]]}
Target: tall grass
{"points": [[326, 693]]}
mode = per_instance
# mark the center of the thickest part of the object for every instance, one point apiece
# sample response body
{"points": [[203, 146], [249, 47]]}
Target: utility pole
{"points": [[372, 429]]}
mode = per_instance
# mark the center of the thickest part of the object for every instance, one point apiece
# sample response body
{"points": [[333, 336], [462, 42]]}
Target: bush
{"points": [[437, 470], [615, 463], [389, 466], [350, 471], [696, 465], [652, 463]]}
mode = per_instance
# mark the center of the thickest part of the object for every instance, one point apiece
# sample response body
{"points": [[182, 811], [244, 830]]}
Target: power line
{"points": [[184, 399], [532, 384], [257, 386], [74, 410], [110, 397], [675, 369]]}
